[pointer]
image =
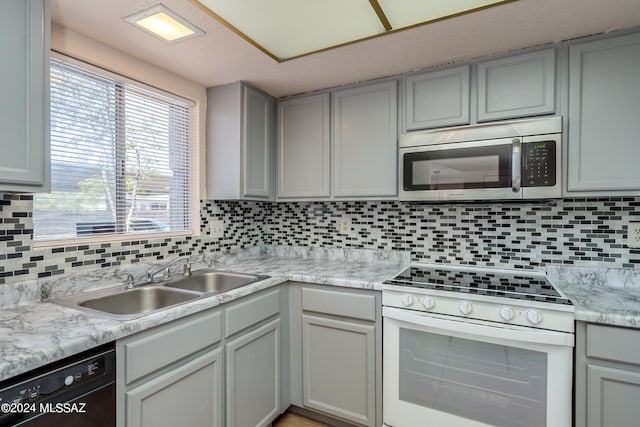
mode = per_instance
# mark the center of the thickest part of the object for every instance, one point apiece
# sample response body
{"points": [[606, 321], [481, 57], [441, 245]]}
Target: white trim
{"points": [[107, 238], [117, 76]]}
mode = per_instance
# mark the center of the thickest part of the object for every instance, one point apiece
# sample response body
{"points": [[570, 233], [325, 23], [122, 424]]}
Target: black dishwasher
{"points": [[78, 391]]}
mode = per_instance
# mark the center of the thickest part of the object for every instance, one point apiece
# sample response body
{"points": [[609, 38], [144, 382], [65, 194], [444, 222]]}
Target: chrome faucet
{"points": [[150, 275]]}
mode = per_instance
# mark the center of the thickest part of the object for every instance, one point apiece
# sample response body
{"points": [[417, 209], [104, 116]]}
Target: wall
{"points": [[519, 235], [586, 232], [244, 222], [82, 48]]}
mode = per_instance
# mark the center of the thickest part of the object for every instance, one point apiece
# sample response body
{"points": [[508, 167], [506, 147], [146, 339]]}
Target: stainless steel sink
{"points": [[128, 303], [123, 303], [214, 281], [138, 300]]}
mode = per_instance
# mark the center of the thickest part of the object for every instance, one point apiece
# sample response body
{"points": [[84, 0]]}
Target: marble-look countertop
{"points": [[35, 331], [602, 295]]}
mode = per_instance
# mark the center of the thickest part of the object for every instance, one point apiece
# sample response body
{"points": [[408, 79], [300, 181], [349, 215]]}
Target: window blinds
{"points": [[120, 160]]}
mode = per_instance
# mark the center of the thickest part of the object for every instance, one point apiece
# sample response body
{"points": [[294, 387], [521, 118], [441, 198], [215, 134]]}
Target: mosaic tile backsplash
{"points": [[583, 232]]}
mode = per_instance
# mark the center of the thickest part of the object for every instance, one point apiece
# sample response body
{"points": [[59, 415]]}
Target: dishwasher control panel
{"points": [[52, 388]]}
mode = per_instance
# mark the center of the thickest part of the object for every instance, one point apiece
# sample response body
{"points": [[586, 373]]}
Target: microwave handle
{"points": [[516, 165]]}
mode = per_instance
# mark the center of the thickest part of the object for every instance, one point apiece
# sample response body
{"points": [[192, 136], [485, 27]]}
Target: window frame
{"points": [[194, 167]]}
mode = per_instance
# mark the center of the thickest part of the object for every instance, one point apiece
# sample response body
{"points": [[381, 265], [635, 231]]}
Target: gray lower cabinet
{"points": [[604, 106], [336, 353], [187, 395], [437, 98], [24, 104], [172, 374], [253, 376], [220, 367], [607, 375], [338, 360], [517, 86], [253, 348]]}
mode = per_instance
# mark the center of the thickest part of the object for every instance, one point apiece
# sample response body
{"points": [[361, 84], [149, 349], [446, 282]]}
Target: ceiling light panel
{"points": [[406, 13], [291, 28], [165, 24]]}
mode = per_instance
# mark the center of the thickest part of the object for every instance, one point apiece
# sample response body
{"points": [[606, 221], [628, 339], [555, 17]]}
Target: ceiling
{"points": [[221, 56]]}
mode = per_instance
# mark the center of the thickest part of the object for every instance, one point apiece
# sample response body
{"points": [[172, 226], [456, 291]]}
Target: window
{"points": [[120, 158]]}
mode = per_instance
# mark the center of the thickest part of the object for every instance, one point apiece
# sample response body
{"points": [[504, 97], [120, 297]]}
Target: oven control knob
{"points": [[506, 313], [534, 316], [465, 307], [407, 300], [428, 302]]}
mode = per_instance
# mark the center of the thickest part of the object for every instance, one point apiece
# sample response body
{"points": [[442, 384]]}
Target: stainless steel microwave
{"points": [[510, 160]]}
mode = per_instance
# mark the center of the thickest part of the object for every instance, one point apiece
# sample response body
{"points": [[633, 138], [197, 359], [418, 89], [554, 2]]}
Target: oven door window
{"points": [[461, 168], [489, 383]]}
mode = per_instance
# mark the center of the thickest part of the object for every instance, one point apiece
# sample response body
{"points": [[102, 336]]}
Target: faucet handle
{"points": [[128, 278], [186, 268]]}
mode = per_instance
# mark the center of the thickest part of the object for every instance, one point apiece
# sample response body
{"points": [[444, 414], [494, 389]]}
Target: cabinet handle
{"points": [[516, 165]]}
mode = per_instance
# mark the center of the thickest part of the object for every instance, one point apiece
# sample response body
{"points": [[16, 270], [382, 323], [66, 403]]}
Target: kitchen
{"points": [[303, 231]]}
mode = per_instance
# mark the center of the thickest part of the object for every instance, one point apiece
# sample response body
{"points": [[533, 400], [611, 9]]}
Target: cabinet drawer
{"points": [[613, 343], [152, 350], [346, 304], [251, 311]]}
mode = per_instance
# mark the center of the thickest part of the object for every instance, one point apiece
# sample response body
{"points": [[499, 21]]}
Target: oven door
{"points": [[447, 371], [462, 171]]}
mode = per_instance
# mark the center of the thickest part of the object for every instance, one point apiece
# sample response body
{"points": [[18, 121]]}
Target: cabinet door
{"points": [[365, 144], [190, 395], [257, 144], [437, 98], [24, 104], [517, 86], [338, 368], [604, 101], [253, 377], [303, 147], [612, 396]]}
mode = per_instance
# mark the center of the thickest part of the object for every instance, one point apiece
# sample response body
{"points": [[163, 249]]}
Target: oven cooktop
{"points": [[476, 282]]}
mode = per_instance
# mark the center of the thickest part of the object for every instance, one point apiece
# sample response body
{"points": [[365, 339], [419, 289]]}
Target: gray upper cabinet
{"points": [[303, 136], [365, 132], [604, 106], [517, 86], [258, 145], [240, 143], [24, 104], [437, 98], [607, 375]]}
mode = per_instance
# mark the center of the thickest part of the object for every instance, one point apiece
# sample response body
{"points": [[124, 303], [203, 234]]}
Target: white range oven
{"points": [[476, 347]]}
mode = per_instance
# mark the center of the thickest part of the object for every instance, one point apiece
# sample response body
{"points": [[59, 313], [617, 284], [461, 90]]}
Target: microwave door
{"points": [[459, 171]]}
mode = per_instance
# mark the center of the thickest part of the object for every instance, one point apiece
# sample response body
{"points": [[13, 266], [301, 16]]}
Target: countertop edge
{"points": [[101, 329]]}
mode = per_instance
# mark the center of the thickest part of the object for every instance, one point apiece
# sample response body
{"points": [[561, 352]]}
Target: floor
{"points": [[293, 420]]}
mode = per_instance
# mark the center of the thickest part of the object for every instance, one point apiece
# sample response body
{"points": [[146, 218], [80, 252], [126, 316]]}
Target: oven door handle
{"points": [[479, 329]]}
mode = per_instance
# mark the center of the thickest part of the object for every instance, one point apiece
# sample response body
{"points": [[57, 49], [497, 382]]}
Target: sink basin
{"points": [[214, 281], [138, 300], [122, 303]]}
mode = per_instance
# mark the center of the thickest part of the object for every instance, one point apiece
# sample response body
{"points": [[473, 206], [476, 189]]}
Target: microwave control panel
{"points": [[539, 164]]}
